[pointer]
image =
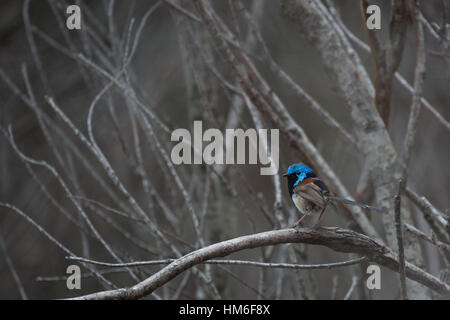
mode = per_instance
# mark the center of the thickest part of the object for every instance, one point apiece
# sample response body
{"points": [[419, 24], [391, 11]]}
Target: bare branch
{"points": [[435, 218], [419, 74], [400, 79], [14, 273], [227, 262], [338, 239], [399, 231], [429, 239], [52, 239], [352, 288]]}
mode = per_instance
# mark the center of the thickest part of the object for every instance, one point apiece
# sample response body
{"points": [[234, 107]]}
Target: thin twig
{"points": [[226, 262], [52, 239], [431, 214], [401, 250], [419, 75], [420, 234], [183, 11], [11, 267], [352, 288]]}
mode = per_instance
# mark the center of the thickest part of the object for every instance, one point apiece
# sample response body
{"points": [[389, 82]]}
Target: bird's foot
{"points": [[298, 222]]}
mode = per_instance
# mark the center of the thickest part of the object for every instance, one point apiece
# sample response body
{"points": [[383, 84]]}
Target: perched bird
{"points": [[310, 194]]}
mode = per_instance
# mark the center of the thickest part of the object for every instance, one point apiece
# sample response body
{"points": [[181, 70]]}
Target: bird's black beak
{"points": [[285, 175]]}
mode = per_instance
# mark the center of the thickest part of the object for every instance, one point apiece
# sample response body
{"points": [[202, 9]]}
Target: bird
{"points": [[310, 194]]}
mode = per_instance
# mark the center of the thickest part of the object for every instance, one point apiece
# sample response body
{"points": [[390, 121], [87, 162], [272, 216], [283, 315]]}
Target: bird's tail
{"points": [[353, 203]]}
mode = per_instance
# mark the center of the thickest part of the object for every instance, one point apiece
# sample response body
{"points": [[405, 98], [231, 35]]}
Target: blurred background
{"points": [[166, 63]]}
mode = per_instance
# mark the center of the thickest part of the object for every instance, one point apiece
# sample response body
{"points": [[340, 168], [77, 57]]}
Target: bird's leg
{"points": [[316, 225], [299, 220]]}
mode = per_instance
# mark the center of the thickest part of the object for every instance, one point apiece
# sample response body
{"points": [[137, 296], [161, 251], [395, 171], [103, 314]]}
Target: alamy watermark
{"points": [[73, 21], [230, 149], [374, 18], [74, 279], [374, 278]]}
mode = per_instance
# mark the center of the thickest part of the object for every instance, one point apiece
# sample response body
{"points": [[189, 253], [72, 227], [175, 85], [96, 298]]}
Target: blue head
{"points": [[296, 173]]}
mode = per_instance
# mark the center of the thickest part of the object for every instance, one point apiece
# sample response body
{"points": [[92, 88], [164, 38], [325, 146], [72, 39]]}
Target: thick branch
{"points": [[338, 239]]}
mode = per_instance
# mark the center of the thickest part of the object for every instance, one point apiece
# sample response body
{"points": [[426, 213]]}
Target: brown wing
{"points": [[311, 192]]}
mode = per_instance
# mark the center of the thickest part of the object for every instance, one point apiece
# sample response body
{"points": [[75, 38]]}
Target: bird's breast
{"points": [[300, 203], [303, 205]]}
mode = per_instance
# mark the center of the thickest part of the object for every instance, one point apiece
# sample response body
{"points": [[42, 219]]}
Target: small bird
{"points": [[310, 194]]}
